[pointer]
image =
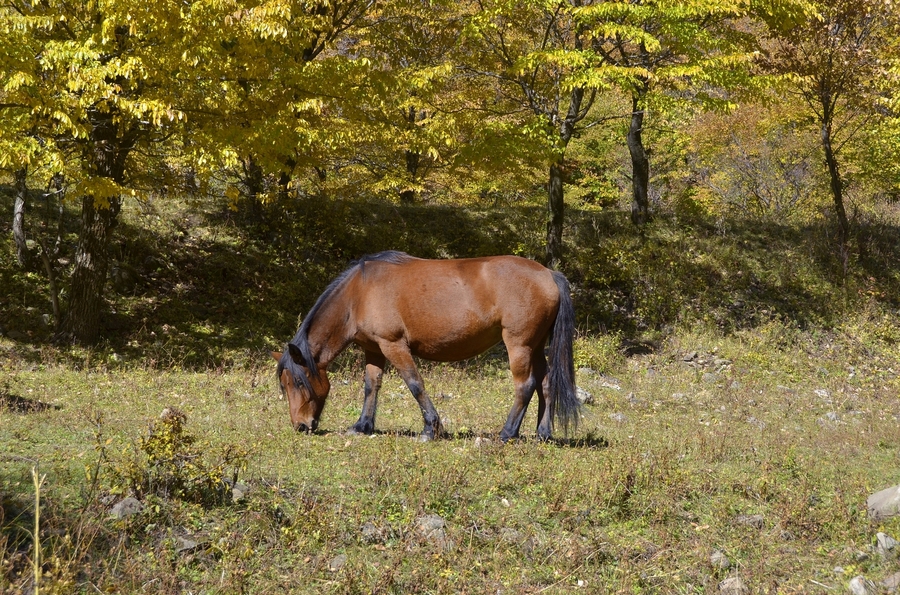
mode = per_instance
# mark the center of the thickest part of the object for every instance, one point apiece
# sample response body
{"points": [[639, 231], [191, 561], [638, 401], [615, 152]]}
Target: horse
{"points": [[396, 306]]}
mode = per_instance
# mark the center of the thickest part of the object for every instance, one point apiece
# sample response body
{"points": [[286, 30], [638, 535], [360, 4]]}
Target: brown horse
{"points": [[396, 306]]}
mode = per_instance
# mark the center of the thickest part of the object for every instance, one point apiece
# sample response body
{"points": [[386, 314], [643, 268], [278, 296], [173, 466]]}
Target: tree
{"points": [[837, 61], [105, 93], [531, 53], [694, 51]]}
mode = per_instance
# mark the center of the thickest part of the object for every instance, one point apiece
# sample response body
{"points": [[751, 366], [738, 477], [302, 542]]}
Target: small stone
{"points": [[370, 533], [735, 385], [511, 535], [583, 396], [183, 544], [838, 570], [479, 441], [337, 562], [860, 586], [751, 520], [239, 492], [710, 378], [885, 544], [733, 586], [884, 504], [719, 560], [431, 527], [832, 416], [126, 508], [892, 583], [822, 393], [610, 383], [689, 357], [755, 422]]}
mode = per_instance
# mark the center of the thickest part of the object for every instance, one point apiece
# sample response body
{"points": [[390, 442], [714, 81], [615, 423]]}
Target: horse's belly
{"points": [[453, 345]]}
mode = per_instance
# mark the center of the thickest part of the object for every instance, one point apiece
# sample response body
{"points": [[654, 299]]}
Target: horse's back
{"points": [[454, 309]]}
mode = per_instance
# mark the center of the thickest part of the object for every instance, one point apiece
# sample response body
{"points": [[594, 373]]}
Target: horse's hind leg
{"points": [[372, 383], [528, 368], [402, 359]]}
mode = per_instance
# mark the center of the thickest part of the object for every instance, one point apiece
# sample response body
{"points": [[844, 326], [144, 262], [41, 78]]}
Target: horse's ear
{"points": [[276, 355], [296, 355]]}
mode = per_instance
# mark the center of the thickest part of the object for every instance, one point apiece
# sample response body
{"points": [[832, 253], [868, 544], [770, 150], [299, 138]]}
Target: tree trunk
{"points": [[837, 193], [107, 151], [555, 195], [23, 257], [408, 195], [640, 163], [556, 204], [89, 275]]}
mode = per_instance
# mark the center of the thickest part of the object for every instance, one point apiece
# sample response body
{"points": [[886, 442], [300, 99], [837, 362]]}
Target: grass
{"points": [[640, 511], [718, 396]]}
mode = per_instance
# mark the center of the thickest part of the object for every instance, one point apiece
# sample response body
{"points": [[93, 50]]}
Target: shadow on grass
{"points": [[18, 404]]}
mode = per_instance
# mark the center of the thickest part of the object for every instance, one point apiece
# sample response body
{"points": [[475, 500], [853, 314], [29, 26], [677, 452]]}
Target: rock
{"points": [[370, 533], [337, 562], [587, 371], [885, 545], [431, 528], [751, 520], [735, 385], [822, 393], [609, 382], [183, 544], [860, 586], [884, 504], [733, 586], [719, 560], [689, 357], [511, 535], [755, 422], [710, 378], [583, 396], [239, 492], [479, 441], [619, 418], [832, 416], [892, 583], [126, 508]]}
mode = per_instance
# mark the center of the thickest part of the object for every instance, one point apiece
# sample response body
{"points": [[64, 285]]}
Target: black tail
{"points": [[562, 364]]}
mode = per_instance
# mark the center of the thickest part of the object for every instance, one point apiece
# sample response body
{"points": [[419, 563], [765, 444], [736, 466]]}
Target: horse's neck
{"points": [[329, 334]]}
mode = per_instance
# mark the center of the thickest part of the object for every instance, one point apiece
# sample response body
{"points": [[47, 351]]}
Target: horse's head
{"points": [[306, 388]]}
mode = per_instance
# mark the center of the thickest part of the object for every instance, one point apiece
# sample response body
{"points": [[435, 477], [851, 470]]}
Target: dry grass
{"points": [[798, 430]]}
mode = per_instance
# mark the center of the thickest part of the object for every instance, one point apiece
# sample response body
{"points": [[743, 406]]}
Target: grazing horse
{"points": [[395, 306]]}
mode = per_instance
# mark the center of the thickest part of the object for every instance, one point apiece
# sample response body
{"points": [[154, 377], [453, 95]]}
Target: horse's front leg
{"points": [[402, 359], [372, 384]]}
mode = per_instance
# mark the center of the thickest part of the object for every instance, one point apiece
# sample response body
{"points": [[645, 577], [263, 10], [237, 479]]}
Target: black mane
{"points": [[301, 338]]}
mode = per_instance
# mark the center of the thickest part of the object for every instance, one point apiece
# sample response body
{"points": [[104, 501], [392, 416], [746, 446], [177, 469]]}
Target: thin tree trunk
{"points": [[640, 163], [408, 195], [556, 204], [837, 193], [23, 257], [555, 192]]}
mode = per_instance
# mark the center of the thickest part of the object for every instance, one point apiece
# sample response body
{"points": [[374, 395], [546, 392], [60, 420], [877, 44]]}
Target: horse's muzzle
{"points": [[306, 429]]}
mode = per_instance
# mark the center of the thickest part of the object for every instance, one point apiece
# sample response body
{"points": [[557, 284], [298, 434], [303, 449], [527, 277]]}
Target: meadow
{"points": [[744, 405]]}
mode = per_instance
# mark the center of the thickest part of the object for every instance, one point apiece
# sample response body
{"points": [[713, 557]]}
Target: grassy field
{"points": [[738, 429]]}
